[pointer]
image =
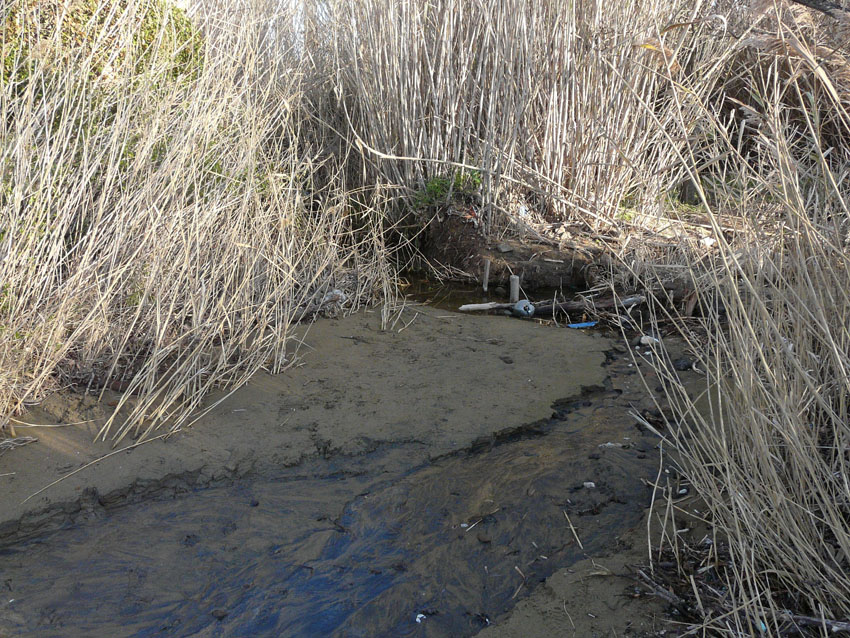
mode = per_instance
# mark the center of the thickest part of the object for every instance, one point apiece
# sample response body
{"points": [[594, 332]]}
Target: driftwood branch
{"points": [[809, 621], [582, 305], [481, 307], [546, 308], [659, 591]]}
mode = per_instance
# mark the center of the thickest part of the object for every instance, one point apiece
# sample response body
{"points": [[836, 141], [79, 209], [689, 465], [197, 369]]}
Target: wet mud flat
{"points": [[424, 485]]}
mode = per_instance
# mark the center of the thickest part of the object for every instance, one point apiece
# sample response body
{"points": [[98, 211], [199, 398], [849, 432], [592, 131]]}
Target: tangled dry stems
{"points": [[768, 453], [158, 230], [161, 234]]}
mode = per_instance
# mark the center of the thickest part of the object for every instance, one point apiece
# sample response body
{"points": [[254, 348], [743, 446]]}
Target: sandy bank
{"points": [[434, 384], [443, 381]]}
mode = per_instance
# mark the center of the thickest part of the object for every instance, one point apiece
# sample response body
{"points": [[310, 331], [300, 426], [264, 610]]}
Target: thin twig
{"points": [[97, 460]]}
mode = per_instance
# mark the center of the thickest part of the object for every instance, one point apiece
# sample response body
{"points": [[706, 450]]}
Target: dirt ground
{"points": [[435, 381]]}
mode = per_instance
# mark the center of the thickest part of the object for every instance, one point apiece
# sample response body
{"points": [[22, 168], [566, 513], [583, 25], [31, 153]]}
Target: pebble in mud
{"points": [[219, 614], [682, 364]]}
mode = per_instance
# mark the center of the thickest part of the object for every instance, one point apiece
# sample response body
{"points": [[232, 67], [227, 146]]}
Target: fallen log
{"points": [[588, 304], [480, 307], [544, 308]]}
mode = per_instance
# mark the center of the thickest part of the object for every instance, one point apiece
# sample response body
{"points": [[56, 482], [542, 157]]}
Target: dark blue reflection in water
{"points": [[356, 555]]}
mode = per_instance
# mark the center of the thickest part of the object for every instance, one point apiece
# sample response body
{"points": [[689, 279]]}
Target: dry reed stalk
{"points": [[768, 453], [545, 100], [154, 233]]}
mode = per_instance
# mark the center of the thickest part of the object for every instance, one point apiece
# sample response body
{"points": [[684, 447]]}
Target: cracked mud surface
{"points": [[428, 473]]}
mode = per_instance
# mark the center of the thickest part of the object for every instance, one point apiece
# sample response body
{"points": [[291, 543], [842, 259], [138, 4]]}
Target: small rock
{"points": [[483, 538], [589, 485], [220, 614], [504, 248], [254, 502], [683, 364], [506, 359]]}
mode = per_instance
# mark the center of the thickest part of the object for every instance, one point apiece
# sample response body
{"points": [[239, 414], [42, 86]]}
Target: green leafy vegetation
{"points": [[462, 186]]}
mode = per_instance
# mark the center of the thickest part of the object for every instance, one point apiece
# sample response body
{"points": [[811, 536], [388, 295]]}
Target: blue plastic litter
{"points": [[523, 308], [586, 324]]}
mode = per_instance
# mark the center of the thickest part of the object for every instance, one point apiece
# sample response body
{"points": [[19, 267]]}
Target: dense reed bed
{"points": [[768, 460], [159, 212], [176, 192]]}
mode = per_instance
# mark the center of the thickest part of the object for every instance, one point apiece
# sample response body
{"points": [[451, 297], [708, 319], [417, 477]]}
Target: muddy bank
{"points": [[442, 423], [561, 262], [442, 382]]}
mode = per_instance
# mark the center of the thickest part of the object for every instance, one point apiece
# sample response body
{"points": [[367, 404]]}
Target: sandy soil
{"points": [[438, 380]]}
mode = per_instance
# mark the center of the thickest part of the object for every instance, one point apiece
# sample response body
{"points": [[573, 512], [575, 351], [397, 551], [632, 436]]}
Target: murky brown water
{"points": [[347, 546]]}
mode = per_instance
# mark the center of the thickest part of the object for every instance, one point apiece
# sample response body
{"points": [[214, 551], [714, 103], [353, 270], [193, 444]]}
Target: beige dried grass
{"points": [[768, 453], [158, 235], [545, 99]]}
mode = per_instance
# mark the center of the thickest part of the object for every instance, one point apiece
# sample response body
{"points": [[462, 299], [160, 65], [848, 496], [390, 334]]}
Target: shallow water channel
{"points": [[372, 540], [346, 546]]}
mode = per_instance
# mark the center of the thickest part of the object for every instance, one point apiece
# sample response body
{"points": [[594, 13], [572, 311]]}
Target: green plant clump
{"points": [[442, 190]]}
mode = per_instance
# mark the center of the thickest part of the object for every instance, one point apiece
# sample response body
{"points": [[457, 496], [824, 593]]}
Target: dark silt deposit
{"points": [[385, 541]]}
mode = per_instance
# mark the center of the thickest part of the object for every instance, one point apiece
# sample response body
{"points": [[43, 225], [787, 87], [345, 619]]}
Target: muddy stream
{"points": [[382, 536]]}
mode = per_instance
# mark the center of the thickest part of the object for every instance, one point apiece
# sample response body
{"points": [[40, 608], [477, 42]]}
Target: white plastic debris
{"points": [[609, 444], [420, 617], [646, 340], [589, 485]]}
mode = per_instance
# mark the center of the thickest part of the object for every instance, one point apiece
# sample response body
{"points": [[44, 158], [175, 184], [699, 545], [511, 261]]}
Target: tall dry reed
{"points": [[167, 211], [158, 230], [546, 100], [768, 451]]}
